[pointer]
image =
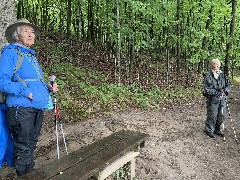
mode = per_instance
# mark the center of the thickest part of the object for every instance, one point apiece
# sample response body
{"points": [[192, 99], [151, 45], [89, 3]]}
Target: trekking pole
{"points": [[222, 111], [61, 126], [234, 132], [58, 120], [55, 115]]}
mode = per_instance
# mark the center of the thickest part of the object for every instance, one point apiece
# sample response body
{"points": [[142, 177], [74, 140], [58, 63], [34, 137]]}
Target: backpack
{"points": [[19, 62]]}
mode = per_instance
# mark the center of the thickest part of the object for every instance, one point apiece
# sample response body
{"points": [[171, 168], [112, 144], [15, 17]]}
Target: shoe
{"points": [[210, 134], [221, 134]]}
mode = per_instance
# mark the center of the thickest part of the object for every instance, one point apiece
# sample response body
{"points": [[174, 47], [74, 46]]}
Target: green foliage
{"points": [[84, 93], [122, 173], [148, 24]]}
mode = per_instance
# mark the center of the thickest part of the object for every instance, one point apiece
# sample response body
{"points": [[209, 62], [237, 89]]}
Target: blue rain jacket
{"points": [[6, 141], [17, 93]]}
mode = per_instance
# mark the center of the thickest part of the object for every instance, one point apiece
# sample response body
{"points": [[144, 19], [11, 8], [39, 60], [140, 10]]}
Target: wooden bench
{"points": [[97, 161]]}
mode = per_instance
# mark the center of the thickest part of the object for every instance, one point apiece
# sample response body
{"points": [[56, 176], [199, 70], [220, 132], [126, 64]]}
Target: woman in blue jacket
{"points": [[27, 93]]}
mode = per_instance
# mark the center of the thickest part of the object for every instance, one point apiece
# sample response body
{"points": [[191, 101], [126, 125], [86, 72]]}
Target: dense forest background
{"points": [[179, 34], [132, 53]]}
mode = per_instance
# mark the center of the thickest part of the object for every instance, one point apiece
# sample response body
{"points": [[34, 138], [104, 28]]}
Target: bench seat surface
{"points": [[89, 160]]}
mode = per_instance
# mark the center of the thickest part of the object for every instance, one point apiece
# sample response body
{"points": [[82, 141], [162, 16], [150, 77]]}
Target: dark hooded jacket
{"points": [[212, 86]]}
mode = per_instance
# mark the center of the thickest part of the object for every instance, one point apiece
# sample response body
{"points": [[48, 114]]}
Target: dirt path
{"points": [[177, 147]]}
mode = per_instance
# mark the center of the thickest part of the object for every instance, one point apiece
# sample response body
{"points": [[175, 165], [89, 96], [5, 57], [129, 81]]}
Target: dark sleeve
{"points": [[227, 85], [207, 85]]}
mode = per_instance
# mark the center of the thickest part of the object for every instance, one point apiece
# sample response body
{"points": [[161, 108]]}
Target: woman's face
{"points": [[215, 66], [26, 36]]}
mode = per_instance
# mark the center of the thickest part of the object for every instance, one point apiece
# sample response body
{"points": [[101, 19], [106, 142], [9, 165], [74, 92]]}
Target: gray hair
{"points": [[215, 61], [16, 32]]}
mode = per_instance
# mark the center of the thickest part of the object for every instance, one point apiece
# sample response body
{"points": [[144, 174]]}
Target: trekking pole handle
{"points": [[53, 78]]}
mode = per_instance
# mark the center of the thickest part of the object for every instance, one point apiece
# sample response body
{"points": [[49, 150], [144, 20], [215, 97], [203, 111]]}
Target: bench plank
{"points": [[97, 162], [81, 157], [57, 166]]}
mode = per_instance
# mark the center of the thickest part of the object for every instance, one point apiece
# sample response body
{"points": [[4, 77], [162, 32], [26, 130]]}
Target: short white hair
{"points": [[16, 32], [216, 61]]}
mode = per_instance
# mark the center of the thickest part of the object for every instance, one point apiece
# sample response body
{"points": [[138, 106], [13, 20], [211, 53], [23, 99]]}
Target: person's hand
{"points": [[53, 87], [30, 96], [226, 93], [218, 94]]}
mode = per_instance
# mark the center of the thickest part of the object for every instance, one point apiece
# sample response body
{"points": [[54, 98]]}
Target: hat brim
{"points": [[9, 31]]}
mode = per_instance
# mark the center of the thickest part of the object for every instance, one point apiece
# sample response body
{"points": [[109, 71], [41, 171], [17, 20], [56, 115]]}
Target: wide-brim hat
{"points": [[10, 29]]}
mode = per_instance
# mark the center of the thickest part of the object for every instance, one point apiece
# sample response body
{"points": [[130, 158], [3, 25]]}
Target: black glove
{"points": [[226, 93]]}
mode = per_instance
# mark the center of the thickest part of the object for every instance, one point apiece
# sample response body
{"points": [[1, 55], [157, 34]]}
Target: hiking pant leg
{"points": [[221, 115], [25, 125], [212, 114], [38, 126]]}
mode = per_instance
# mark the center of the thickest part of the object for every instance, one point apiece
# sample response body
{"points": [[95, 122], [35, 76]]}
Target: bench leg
{"points": [[132, 168], [111, 168]]}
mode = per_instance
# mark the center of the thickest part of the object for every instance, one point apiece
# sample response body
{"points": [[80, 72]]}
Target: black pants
{"points": [[216, 111], [25, 125]]}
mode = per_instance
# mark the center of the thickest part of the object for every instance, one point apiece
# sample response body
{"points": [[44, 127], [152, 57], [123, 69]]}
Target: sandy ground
{"points": [[177, 148]]}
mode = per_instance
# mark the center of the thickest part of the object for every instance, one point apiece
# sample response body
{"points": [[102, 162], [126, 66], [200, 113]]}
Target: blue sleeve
{"points": [[7, 64]]}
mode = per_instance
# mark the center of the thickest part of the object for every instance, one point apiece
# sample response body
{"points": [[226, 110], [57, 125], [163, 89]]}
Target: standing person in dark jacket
{"points": [[216, 88], [27, 93]]}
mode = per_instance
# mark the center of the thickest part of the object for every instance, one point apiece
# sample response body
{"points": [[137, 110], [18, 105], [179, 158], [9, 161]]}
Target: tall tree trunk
{"points": [[23, 10], [8, 16], [35, 13], [131, 43], [46, 18], [61, 17], [178, 37], [231, 35], [79, 20], [167, 56], [131, 54], [69, 16], [19, 9], [204, 41], [166, 49], [27, 6], [118, 47], [90, 21]]}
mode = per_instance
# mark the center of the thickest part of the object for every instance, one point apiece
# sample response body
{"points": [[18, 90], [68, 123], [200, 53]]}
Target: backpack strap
{"points": [[20, 59]]}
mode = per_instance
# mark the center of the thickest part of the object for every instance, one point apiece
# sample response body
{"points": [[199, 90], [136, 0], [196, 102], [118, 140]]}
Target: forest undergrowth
{"points": [[87, 80]]}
